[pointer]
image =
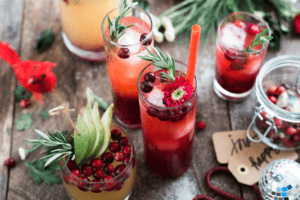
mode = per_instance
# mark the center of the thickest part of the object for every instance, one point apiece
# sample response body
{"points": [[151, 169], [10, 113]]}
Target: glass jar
{"points": [[276, 126]]}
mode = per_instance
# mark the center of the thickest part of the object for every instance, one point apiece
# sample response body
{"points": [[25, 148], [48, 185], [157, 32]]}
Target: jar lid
{"points": [[280, 180]]}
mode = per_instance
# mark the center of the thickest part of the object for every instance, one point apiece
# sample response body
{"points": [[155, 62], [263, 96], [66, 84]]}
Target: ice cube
{"points": [[233, 36], [129, 38], [156, 97]]}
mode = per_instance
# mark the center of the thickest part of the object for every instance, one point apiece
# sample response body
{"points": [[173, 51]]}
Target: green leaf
{"points": [[45, 114], [25, 121], [45, 40], [39, 175], [20, 93]]}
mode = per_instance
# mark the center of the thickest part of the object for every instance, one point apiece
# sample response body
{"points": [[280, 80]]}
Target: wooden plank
{"points": [[10, 31]]}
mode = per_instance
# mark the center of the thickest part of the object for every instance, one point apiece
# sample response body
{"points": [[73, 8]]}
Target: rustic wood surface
{"points": [[22, 22]]}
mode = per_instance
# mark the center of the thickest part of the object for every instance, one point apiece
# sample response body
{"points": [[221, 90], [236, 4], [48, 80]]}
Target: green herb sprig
{"points": [[261, 38], [161, 61], [117, 29]]}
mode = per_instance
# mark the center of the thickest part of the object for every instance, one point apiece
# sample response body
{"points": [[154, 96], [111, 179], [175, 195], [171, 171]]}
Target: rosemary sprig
{"points": [[259, 39], [159, 60], [117, 29]]}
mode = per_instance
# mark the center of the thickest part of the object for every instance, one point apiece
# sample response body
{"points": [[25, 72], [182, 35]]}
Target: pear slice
{"points": [[81, 142], [99, 130], [106, 121], [92, 130]]}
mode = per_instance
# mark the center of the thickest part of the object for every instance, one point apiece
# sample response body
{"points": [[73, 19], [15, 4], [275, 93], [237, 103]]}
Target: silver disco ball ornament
{"points": [[280, 180]]}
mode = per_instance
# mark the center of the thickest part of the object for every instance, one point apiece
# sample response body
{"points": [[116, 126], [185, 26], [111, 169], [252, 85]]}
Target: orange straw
{"points": [[194, 45]]}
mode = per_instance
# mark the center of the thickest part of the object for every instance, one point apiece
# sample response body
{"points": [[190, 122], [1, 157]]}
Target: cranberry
{"points": [[76, 172], [68, 178], [96, 187], [24, 103], [290, 131], [200, 125], [119, 186], [83, 185], [127, 150], [264, 115], [10, 162], [124, 53], [279, 90], [176, 115], [97, 163], [98, 174], [149, 77], [114, 147], [273, 99], [108, 168], [107, 157], [261, 123], [287, 109], [296, 138], [115, 134], [124, 141], [272, 91], [288, 142], [119, 156], [110, 182], [238, 23], [87, 170], [298, 130], [71, 164], [276, 139], [126, 160], [152, 111], [163, 115], [229, 55], [271, 133], [187, 107], [119, 169], [278, 123], [147, 42], [146, 87], [254, 29]]}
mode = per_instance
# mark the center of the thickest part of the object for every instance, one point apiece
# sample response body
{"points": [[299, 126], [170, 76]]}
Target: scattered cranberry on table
{"points": [[200, 125], [24, 103], [10, 162]]}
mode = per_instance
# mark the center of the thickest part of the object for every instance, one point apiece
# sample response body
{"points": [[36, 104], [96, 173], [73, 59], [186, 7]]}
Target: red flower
{"points": [[178, 92], [296, 24]]}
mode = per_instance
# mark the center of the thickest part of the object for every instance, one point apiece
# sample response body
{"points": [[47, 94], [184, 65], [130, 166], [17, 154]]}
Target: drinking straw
{"points": [[194, 45]]}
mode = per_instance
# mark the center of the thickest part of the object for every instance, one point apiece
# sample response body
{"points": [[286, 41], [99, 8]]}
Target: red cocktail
{"points": [[124, 65], [237, 67], [168, 132]]}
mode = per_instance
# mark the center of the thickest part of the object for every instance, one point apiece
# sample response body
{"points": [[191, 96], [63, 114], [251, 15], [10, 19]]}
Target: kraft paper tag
{"points": [[246, 159]]}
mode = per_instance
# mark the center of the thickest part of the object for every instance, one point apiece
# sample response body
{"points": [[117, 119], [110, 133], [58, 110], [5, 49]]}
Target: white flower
{"points": [[170, 34], [167, 23], [22, 153], [158, 36], [259, 14]]}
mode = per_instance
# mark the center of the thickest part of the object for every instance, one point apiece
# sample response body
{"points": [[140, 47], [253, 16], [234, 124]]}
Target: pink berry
{"points": [[110, 182], [127, 150], [97, 163], [107, 157], [108, 168], [71, 164], [290, 131], [280, 89], [124, 141], [119, 169], [83, 185], [114, 147], [87, 170], [254, 29], [24, 103], [115, 134], [96, 187], [200, 125], [10, 162], [273, 99], [126, 160], [119, 156], [98, 174]]}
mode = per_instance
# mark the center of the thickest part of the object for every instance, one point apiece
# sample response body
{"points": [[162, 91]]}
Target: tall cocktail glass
{"points": [[168, 132], [81, 21], [124, 65], [236, 70]]}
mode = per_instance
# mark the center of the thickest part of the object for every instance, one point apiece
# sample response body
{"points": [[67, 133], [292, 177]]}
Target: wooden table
{"points": [[22, 21]]}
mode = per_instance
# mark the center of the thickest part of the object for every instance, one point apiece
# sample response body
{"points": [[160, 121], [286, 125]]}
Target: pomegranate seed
{"points": [[149, 77], [127, 150], [108, 168], [288, 142], [107, 157], [124, 53], [10, 162], [119, 156], [87, 170], [119, 186], [238, 23], [24, 103], [97, 163], [96, 187], [126, 160], [152, 111], [82, 185], [273, 99], [146, 87], [71, 164], [254, 29], [147, 42], [296, 138], [272, 91], [76, 172], [119, 169], [98, 174], [279, 90], [110, 182], [115, 134], [114, 147], [290, 131], [124, 141], [200, 125]]}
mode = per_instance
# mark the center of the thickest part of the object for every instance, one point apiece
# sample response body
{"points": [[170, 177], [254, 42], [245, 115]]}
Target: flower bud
{"points": [[170, 34], [22, 153], [158, 36], [167, 23]]}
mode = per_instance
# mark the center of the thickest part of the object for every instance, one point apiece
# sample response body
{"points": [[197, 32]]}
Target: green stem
{"points": [[178, 13], [174, 8], [184, 22]]}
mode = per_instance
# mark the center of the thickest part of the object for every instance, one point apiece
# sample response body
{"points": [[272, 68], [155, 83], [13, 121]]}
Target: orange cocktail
{"points": [[124, 65], [81, 23]]}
